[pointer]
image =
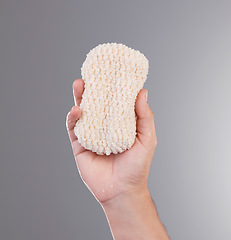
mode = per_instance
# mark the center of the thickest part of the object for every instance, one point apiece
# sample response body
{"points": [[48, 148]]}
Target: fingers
{"points": [[74, 115], [71, 120], [78, 88], [145, 125]]}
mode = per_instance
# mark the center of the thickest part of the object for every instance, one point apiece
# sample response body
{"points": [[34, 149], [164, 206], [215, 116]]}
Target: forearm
{"points": [[134, 216]]}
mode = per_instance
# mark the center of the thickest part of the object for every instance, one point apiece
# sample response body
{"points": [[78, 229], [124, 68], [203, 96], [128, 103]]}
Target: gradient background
{"points": [[42, 47]]}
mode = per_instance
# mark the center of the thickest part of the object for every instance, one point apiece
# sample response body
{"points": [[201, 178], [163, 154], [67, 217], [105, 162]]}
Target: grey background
{"points": [[42, 47]]}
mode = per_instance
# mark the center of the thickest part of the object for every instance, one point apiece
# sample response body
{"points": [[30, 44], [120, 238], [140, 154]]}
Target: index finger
{"points": [[78, 88]]}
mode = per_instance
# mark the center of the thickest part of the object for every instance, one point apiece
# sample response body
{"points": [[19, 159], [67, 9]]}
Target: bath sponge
{"points": [[113, 75]]}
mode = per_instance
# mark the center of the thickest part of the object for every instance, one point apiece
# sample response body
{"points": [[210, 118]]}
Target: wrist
{"points": [[132, 195], [133, 215]]}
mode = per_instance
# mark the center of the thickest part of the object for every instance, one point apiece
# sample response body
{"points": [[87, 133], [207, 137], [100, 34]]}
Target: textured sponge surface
{"points": [[113, 75]]}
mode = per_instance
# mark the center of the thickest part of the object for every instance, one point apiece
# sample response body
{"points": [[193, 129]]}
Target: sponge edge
{"points": [[113, 75]]}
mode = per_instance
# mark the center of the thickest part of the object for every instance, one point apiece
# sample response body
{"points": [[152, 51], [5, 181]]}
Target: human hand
{"points": [[108, 177], [119, 181]]}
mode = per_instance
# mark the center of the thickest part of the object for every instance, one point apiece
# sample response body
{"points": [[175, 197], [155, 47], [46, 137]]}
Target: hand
{"points": [[119, 181], [108, 177]]}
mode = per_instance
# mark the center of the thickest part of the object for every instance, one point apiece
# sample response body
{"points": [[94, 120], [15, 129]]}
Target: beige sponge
{"points": [[113, 75]]}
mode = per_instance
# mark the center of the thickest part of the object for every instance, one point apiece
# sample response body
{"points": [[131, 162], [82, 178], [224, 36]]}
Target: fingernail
{"points": [[146, 96]]}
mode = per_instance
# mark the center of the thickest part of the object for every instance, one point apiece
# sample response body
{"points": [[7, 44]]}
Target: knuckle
{"points": [[151, 115], [152, 139], [155, 143]]}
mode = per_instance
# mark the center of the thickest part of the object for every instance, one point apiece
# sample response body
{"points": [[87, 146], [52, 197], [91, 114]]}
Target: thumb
{"points": [[145, 125]]}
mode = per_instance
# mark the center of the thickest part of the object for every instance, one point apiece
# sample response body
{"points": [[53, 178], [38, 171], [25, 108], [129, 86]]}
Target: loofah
{"points": [[113, 75]]}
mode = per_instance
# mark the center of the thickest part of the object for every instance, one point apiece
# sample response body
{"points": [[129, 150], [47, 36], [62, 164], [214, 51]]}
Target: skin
{"points": [[119, 181]]}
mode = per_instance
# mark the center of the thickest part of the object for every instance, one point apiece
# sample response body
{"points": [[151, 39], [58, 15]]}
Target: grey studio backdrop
{"points": [[43, 45]]}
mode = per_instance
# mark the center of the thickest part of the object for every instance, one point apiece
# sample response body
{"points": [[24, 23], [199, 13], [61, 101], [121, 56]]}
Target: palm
{"points": [[107, 176]]}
